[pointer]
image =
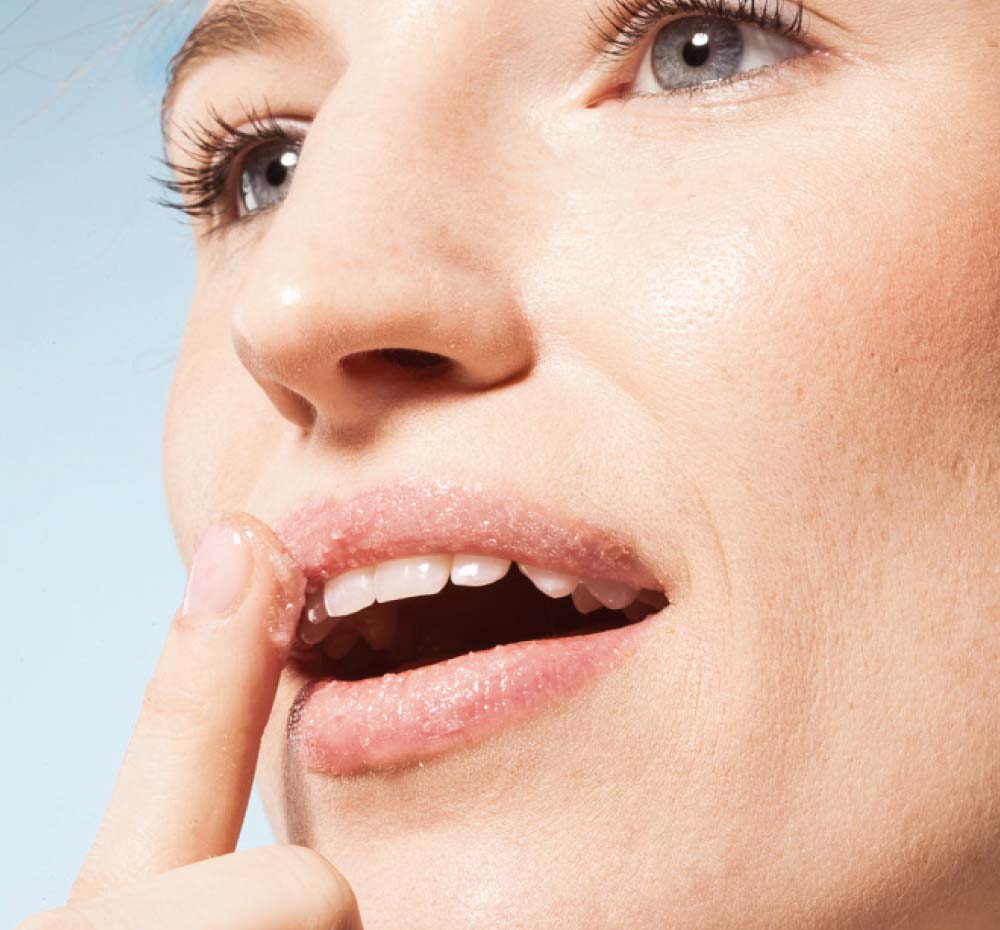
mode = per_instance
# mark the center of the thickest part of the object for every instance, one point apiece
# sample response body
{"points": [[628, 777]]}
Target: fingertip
{"points": [[241, 563], [221, 573], [285, 577]]}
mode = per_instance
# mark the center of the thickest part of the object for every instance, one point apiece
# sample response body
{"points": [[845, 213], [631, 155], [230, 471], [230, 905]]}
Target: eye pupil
{"points": [[276, 173], [697, 50]]}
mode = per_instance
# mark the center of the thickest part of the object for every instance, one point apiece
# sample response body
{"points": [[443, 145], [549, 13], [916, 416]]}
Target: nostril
{"points": [[413, 358], [376, 363]]}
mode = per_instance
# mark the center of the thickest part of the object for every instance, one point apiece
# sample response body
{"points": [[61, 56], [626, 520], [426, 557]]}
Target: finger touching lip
{"points": [[396, 718]]}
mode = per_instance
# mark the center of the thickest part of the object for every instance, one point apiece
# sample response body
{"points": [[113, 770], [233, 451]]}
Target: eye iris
{"points": [[267, 175], [695, 50]]}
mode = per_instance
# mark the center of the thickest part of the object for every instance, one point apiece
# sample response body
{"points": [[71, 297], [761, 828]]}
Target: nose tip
{"points": [[357, 343]]}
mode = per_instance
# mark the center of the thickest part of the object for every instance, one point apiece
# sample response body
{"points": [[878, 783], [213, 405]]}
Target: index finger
{"points": [[183, 788]]}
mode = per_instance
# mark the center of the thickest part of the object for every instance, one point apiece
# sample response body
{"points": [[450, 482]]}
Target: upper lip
{"points": [[409, 517]]}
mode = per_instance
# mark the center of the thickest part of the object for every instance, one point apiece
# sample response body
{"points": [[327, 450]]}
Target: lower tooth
{"points": [[340, 641], [312, 633], [377, 624]]}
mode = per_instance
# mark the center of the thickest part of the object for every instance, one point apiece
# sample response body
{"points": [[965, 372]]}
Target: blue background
{"points": [[96, 280]]}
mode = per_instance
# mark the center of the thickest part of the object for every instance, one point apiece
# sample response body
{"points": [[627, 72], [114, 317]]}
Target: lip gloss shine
{"points": [[347, 727]]}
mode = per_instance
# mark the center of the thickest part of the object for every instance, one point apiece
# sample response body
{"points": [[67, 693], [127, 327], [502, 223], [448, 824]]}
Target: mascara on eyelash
{"points": [[213, 148], [631, 20]]}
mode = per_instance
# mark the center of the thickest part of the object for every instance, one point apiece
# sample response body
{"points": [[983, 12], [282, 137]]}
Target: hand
{"points": [[164, 854]]}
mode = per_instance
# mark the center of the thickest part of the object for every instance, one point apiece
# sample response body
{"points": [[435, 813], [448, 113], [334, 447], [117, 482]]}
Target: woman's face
{"points": [[752, 328]]}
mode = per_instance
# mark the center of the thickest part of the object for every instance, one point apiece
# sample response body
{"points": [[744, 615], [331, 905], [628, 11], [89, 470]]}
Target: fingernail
{"points": [[219, 575]]}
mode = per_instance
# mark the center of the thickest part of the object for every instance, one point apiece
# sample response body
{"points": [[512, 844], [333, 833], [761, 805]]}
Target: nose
{"points": [[379, 281]]}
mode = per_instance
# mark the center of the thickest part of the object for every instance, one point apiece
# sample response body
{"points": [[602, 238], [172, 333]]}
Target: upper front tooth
{"points": [[350, 592], [611, 594], [411, 577], [554, 584], [473, 571]]}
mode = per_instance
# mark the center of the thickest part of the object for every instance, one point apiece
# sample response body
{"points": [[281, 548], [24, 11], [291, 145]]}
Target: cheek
{"points": [[788, 328], [819, 348]]}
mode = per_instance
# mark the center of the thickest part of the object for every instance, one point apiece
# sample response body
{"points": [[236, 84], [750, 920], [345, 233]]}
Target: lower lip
{"points": [[399, 719]]}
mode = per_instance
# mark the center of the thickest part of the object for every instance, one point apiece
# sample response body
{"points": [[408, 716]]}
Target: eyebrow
{"points": [[235, 28]]}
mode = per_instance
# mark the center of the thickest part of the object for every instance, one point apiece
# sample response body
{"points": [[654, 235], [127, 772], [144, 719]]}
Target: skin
{"points": [[758, 331]]}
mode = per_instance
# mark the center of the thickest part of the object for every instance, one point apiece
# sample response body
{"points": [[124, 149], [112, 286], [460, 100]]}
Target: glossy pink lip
{"points": [[328, 537], [347, 727]]}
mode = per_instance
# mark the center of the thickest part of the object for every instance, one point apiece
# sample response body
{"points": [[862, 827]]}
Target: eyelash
{"points": [[201, 187], [213, 149], [632, 20]]}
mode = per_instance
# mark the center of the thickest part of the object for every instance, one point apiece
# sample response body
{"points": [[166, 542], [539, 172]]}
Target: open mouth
{"points": [[421, 637], [411, 612]]}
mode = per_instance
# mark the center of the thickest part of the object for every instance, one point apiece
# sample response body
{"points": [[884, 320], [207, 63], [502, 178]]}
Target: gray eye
{"points": [[267, 176], [695, 49], [700, 49]]}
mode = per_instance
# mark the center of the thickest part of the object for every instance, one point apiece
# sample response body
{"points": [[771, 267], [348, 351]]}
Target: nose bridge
{"points": [[385, 241], [406, 146], [408, 138]]}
